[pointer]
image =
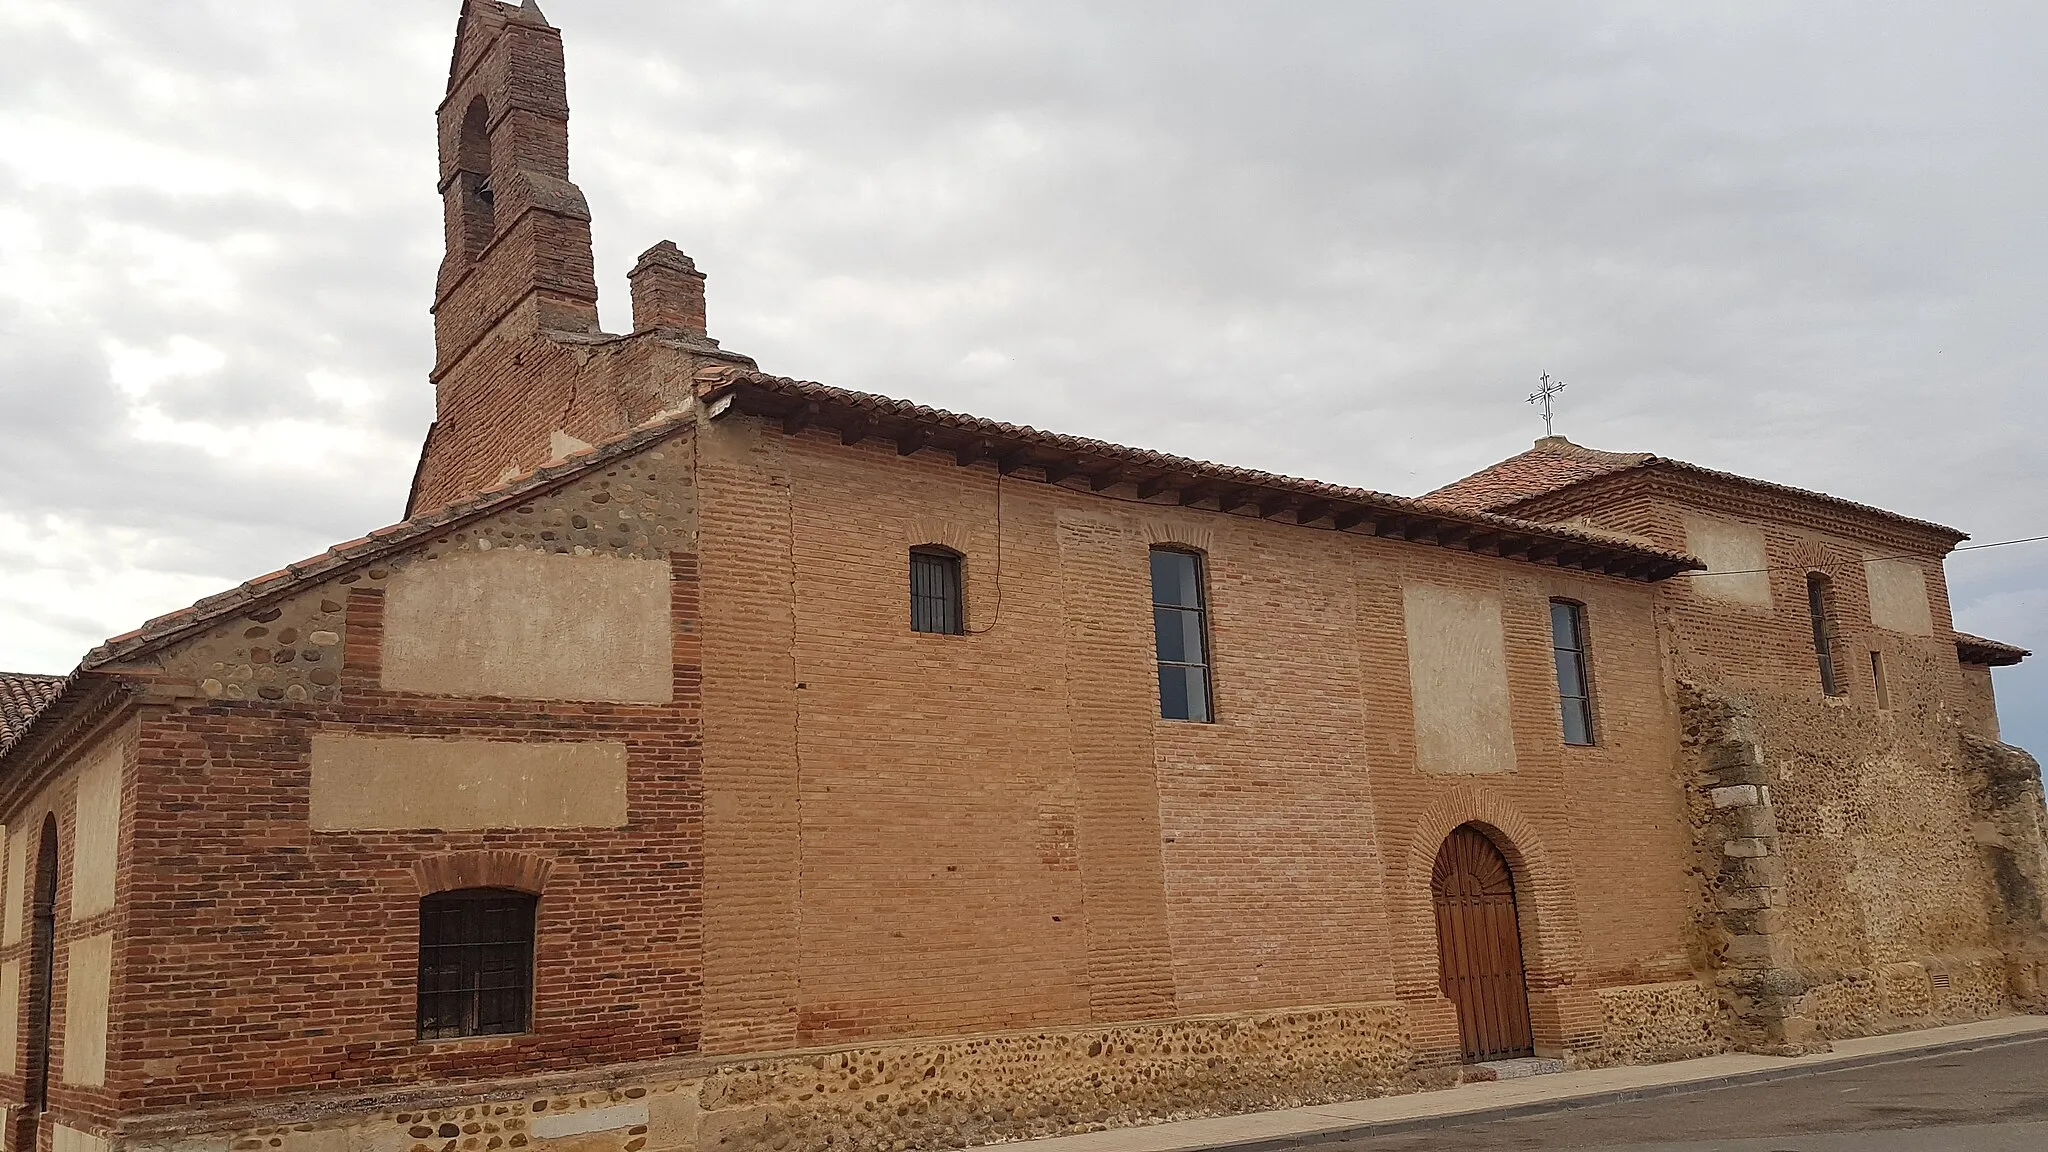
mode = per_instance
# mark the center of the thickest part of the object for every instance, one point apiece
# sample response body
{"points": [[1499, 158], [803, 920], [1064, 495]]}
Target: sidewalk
{"points": [[1532, 1094]]}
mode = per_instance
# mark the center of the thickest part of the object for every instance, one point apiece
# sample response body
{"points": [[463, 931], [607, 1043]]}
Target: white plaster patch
{"points": [[590, 1120], [531, 625], [1458, 679], [88, 978], [1898, 596], [17, 870], [1735, 549], [366, 782], [10, 1010], [97, 831], [67, 1139]]}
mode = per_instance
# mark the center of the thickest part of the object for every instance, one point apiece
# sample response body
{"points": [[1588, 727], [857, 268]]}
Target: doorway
{"points": [[1479, 947], [41, 972]]}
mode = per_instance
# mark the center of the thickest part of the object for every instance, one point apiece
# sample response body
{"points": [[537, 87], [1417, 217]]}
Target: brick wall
{"points": [[997, 829]]}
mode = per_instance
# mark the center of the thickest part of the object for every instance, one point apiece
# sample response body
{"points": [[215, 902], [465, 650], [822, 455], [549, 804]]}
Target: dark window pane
{"points": [[476, 963], [1564, 624], [1183, 692], [1571, 679], [1179, 633], [1578, 728], [1176, 578]]}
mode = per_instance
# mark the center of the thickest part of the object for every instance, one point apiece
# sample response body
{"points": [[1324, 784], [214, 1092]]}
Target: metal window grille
{"points": [[935, 601], [1180, 629], [476, 963], [1574, 684], [1817, 591]]}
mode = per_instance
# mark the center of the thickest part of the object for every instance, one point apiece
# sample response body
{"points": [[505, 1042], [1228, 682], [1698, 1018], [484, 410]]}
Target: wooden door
{"points": [[1479, 947]]}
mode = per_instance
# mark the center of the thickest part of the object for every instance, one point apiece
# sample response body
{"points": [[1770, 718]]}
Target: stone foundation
{"points": [[945, 1093], [1651, 1023]]}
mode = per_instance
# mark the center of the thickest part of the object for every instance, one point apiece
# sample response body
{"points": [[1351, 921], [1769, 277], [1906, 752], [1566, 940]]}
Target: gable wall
{"points": [[294, 807]]}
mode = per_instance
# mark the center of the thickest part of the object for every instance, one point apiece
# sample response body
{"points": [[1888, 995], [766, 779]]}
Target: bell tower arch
{"points": [[518, 248]]}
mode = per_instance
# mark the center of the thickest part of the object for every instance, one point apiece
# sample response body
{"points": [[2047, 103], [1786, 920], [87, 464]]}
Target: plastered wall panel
{"points": [[531, 625], [1457, 668], [17, 893], [1736, 549], [1898, 596], [10, 1011], [88, 977], [362, 782], [95, 852], [63, 1139]]}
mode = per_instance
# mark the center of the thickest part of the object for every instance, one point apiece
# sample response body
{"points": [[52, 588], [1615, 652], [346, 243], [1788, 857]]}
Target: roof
{"points": [[1555, 464], [1110, 469], [22, 696], [1014, 449], [1995, 653], [379, 543]]}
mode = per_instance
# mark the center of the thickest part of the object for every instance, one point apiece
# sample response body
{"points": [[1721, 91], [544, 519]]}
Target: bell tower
{"points": [[518, 255]]}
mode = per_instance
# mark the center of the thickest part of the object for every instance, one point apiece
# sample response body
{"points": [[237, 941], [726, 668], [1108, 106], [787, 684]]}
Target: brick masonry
{"points": [[881, 889]]}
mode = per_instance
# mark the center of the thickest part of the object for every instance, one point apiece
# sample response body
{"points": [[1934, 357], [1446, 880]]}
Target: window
{"points": [[476, 963], [1180, 629], [1884, 691], [935, 591], [1819, 603], [1574, 686]]}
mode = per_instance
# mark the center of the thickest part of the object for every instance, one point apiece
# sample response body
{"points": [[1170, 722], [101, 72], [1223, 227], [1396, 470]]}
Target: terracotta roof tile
{"points": [[1553, 463], [22, 696], [1996, 653], [1556, 463]]}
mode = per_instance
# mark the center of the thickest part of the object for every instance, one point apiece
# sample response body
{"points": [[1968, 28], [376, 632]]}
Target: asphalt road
{"points": [[1991, 1099]]}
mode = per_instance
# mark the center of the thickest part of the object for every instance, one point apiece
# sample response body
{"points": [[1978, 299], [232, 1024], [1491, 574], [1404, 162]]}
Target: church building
{"points": [[712, 760]]}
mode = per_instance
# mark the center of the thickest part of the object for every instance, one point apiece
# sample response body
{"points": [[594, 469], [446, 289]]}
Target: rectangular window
{"points": [[476, 963], [935, 603], [1884, 692], [1574, 686], [1180, 630], [1818, 595]]}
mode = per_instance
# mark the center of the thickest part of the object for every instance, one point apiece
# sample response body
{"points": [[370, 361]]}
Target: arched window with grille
{"points": [[936, 602], [476, 963]]}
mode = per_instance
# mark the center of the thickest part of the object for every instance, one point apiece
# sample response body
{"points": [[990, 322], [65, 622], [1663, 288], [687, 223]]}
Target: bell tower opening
{"points": [[477, 200]]}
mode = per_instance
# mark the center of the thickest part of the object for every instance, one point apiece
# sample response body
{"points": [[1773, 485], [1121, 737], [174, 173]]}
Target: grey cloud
{"points": [[1337, 240]]}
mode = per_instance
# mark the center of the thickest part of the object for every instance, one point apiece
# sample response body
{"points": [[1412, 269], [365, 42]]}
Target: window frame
{"points": [[1582, 658], [955, 565], [473, 966], [1201, 610], [1820, 612]]}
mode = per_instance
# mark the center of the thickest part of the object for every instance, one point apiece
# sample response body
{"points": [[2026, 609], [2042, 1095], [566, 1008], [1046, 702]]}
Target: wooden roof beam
{"points": [[971, 452], [1153, 485], [911, 440], [1351, 518], [1104, 480], [796, 421], [856, 430], [1311, 512]]}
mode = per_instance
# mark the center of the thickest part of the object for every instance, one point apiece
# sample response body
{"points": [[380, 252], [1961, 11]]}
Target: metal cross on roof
{"points": [[1542, 396]]}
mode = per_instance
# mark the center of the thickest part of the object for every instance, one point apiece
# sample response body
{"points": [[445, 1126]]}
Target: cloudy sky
{"points": [[1340, 240]]}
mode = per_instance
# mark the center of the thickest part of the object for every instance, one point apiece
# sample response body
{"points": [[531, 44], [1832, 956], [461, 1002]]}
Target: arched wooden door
{"points": [[1479, 947]]}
